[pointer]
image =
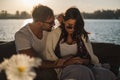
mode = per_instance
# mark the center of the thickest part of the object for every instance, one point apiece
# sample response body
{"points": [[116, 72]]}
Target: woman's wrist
{"points": [[60, 62]]}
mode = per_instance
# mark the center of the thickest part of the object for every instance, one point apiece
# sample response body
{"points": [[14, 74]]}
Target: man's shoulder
{"points": [[24, 30]]}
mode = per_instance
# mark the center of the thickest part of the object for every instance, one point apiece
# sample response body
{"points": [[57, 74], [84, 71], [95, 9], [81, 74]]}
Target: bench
{"points": [[106, 52]]}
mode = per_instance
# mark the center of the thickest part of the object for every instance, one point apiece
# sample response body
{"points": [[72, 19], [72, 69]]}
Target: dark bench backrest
{"points": [[107, 53], [7, 50]]}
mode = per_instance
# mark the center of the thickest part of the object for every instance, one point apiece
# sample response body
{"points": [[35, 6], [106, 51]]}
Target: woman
{"points": [[70, 48]]}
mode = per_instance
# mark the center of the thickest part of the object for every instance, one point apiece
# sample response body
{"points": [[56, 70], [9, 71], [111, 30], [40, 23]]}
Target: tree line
{"points": [[98, 14], [18, 15], [103, 14]]}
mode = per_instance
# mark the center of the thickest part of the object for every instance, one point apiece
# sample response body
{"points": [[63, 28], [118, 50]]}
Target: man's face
{"points": [[48, 24]]}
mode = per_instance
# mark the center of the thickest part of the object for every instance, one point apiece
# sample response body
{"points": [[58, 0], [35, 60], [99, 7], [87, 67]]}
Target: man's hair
{"points": [[41, 13]]}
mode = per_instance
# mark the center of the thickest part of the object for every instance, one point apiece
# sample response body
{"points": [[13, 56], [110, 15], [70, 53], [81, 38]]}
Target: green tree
{"points": [[117, 14], [24, 15], [3, 13]]}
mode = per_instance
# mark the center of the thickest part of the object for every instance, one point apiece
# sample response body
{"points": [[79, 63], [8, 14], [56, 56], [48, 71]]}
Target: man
{"points": [[31, 39]]}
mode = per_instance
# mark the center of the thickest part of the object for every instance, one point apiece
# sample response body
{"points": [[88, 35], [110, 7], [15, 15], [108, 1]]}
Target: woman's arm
{"points": [[52, 64], [55, 64], [76, 60]]}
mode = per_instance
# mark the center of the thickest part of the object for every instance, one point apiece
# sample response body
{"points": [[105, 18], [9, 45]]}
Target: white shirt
{"points": [[51, 43], [25, 39], [67, 49]]}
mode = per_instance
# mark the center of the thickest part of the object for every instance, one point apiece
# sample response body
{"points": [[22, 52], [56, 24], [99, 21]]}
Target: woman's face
{"points": [[70, 25]]}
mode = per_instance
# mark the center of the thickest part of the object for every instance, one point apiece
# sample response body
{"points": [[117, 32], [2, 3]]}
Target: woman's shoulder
{"points": [[56, 31]]}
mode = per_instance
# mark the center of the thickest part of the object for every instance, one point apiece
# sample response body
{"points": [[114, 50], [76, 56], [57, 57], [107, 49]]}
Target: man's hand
{"points": [[76, 60]]}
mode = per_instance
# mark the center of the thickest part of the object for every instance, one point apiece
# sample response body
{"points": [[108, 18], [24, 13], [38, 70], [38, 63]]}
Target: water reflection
{"points": [[107, 31]]}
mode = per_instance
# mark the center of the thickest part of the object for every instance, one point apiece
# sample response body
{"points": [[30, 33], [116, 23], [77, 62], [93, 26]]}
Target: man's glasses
{"points": [[50, 23]]}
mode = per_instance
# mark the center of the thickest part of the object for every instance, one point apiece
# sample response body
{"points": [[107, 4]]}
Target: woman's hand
{"points": [[60, 62], [76, 60]]}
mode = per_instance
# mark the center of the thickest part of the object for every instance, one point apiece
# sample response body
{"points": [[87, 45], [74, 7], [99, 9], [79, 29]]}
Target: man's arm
{"points": [[60, 63], [48, 64], [45, 63], [30, 52]]}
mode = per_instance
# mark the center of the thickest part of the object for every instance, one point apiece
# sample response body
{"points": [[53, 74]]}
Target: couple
{"points": [[66, 50]]}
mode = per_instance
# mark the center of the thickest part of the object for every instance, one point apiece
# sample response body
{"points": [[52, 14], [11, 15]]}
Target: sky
{"points": [[59, 6]]}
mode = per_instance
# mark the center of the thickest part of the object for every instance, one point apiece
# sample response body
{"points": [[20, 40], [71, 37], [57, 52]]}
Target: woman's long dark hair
{"points": [[74, 13]]}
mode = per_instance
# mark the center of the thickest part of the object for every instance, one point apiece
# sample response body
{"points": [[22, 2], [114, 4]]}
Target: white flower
{"points": [[3, 65], [19, 67]]}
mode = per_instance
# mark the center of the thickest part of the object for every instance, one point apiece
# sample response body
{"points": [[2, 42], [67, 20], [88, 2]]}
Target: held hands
{"points": [[60, 62], [76, 60], [71, 60]]}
